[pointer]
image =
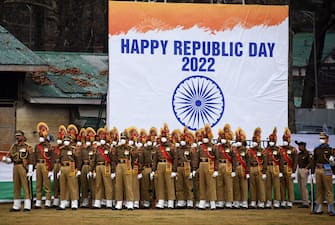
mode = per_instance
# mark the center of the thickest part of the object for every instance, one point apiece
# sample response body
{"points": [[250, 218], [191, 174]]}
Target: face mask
{"points": [[88, 143], [122, 141], [41, 139], [205, 140], [182, 143], [98, 143], [254, 144], [163, 139], [285, 143], [79, 143], [102, 142], [114, 143], [66, 143], [130, 142], [59, 142], [271, 143], [238, 144], [223, 141], [322, 141], [149, 143]]}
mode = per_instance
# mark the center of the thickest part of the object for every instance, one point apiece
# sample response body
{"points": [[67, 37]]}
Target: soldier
{"points": [[123, 172], [289, 162], [90, 149], [305, 160], [240, 181], [56, 163], [323, 172], [195, 173], [146, 161], [208, 170], [257, 167], [21, 154], [273, 173], [165, 166], [226, 157], [184, 193], [69, 171], [104, 173], [42, 159]]}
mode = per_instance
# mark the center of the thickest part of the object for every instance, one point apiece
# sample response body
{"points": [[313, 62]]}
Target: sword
{"points": [[312, 194]]}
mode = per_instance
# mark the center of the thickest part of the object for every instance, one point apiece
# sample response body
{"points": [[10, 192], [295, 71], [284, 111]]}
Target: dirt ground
{"points": [[159, 217]]}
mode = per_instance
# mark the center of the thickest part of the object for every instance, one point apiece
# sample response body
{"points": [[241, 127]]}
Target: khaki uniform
{"points": [[323, 174], [56, 169], [70, 163], [42, 159], [272, 176], [124, 173], [184, 181], [304, 165], [257, 167], [21, 154], [104, 167], [224, 181], [136, 170], [289, 161], [240, 182], [86, 156], [164, 166], [208, 163], [147, 187]]}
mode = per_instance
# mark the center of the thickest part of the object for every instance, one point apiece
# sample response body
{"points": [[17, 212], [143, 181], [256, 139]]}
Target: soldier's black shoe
{"points": [[60, 208], [14, 210], [37, 207], [318, 213], [303, 206], [26, 210], [47, 207], [74, 209]]}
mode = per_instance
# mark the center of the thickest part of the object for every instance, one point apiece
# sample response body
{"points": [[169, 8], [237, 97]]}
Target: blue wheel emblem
{"points": [[196, 101]]}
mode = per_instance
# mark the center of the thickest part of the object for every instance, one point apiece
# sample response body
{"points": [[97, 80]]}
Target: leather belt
{"points": [[162, 160], [149, 165], [18, 163], [122, 160], [203, 160], [100, 163], [86, 163], [40, 161], [254, 164], [57, 160], [319, 166], [222, 161], [65, 163]]}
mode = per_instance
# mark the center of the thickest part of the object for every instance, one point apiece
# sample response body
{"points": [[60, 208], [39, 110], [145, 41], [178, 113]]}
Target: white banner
{"points": [[200, 64]]}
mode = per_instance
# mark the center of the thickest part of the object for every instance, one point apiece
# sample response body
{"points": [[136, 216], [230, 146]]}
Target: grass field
{"points": [[159, 217]]}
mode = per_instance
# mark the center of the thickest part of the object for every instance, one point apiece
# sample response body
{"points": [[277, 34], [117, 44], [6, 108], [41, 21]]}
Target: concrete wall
{"points": [[28, 115]]}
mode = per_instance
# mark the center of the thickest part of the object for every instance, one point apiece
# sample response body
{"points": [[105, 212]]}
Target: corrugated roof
{"points": [[302, 44], [81, 76], [15, 56]]}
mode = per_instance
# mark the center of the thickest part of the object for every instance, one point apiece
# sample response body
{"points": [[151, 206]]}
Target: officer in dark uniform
{"points": [[323, 172], [304, 165]]}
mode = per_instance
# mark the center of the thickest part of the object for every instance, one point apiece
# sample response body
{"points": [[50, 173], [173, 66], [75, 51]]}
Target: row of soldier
{"points": [[138, 169]]}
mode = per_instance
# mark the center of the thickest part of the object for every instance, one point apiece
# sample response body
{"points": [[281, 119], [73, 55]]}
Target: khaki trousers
{"points": [[183, 185], [240, 185], [224, 184], [272, 183], [286, 186], [103, 183], [324, 187], [136, 187], [68, 184], [20, 180], [207, 185], [302, 182], [123, 183], [84, 182], [256, 185], [165, 184], [146, 185], [56, 180], [42, 179]]}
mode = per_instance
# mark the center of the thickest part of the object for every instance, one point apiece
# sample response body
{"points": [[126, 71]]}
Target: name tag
{"points": [[227, 150], [275, 152], [90, 153], [106, 152], [46, 149], [209, 149], [289, 152], [259, 153], [22, 150], [69, 152], [126, 152], [242, 154], [186, 152]]}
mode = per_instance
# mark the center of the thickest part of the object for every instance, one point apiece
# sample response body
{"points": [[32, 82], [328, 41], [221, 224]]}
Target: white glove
{"points": [[280, 174], [194, 173], [233, 174], [190, 176], [50, 174], [89, 175], [30, 171], [78, 173], [332, 160], [247, 176], [173, 174], [263, 176], [4, 159], [8, 160], [139, 176], [333, 176], [94, 175], [113, 175], [152, 174], [58, 174], [313, 177], [293, 176], [215, 174]]}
